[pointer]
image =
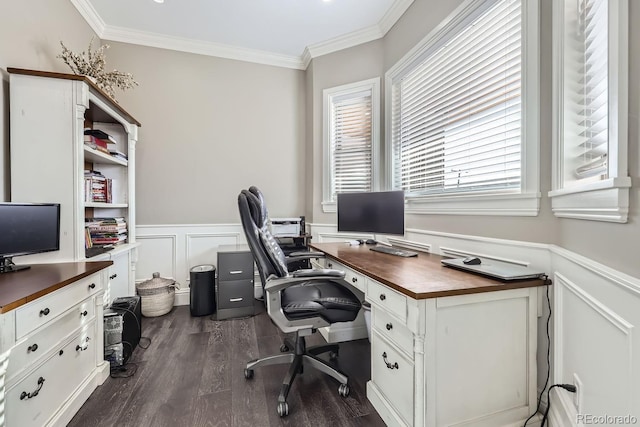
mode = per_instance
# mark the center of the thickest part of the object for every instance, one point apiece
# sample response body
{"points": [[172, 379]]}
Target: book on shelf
{"points": [[100, 134], [106, 220], [97, 187]]}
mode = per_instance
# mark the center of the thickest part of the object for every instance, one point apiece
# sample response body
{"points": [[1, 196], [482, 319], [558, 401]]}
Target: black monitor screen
{"points": [[29, 228], [376, 212]]}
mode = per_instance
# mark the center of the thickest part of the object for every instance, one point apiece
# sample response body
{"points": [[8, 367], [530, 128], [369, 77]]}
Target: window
{"points": [[590, 92], [351, 116], [463, 122]]}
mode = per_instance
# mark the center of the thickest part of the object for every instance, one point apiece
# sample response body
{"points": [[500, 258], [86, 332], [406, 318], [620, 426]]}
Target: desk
{"points": [[448, 348]]}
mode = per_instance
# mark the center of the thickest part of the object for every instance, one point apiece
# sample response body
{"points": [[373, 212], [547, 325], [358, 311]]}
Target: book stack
{"points": [[97, 188], [107, 231], [99, 140]]}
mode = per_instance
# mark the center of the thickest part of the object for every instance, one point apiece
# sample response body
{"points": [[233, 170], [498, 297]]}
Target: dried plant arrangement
{"points": [[91, 64]]}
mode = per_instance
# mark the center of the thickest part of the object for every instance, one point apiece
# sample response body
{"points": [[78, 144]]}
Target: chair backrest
{"points": [[267, 254]]}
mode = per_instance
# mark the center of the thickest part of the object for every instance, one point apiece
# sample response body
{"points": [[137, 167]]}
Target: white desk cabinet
{"points": [[53, 335]]}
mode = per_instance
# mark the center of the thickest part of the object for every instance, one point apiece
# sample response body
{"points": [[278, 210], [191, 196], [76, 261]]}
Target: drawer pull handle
{"points": [[383, 297], [235, 272], [32, 347], [235, 299], [354, 279], [61, 352], [44, 312], [92, 286], [25, 395], [389, 326], [389, 365], [84, 313], [80, 348], [113, 276], [329, 265]]}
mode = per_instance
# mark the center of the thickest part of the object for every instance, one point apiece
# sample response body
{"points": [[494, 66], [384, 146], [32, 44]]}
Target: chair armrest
{"points": [[297, 256], [277, 284], [319, 272]]}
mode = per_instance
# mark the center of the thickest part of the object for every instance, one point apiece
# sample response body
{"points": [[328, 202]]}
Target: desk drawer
{"points": [[45, 309], [352, 277], [391, 329], [392, 374], [389, 300], [27, 352]]}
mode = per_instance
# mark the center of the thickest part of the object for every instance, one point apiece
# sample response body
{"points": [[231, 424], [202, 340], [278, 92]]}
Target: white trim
{"points": [[607, 200], [526, 201], [200, 47], [125, 35], [328, 94]]}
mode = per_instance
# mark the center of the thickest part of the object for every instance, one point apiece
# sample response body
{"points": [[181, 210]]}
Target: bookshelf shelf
{"points": [[96, 156], [66, 105], [106, 205]]}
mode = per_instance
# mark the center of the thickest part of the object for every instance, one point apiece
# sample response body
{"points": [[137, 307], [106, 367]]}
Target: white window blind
{"points": [[591, 109], [350, 139], [457, 116]]}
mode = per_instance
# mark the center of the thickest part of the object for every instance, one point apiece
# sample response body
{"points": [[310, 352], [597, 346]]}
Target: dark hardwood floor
{"points": [[192, 375]]}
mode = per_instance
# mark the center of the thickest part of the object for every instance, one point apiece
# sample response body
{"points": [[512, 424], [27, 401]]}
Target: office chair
{"points": [[299, 302]]}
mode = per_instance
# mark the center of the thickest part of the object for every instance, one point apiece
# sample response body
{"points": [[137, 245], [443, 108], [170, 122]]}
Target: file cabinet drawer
{"points": [[394, 331], [27, 352], [235, 265], [237, 293], [387, 299], [392, 374], [45, 309]]}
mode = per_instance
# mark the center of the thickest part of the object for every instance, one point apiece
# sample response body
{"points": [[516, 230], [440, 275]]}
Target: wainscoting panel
{"points": [[173, 249]]}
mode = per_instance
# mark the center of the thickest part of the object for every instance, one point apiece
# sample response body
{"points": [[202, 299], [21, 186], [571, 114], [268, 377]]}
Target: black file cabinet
{"points": [[234, 285]]}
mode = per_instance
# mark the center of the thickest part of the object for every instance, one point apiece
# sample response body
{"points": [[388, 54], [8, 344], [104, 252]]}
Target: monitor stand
{"points": [[7, 266]]}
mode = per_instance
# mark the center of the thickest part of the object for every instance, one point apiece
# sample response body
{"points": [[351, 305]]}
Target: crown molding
{"points": [[90, 15], [220, 50], [397, 9]]}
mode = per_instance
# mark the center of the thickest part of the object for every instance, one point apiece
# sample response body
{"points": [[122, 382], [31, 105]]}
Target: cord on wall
{"points": [[569, 387]]}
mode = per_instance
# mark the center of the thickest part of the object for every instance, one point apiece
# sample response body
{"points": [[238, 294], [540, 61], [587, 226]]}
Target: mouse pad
{"points": [[497, 270]]}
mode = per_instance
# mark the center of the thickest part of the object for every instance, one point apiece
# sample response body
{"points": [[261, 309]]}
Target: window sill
{"points": [[602, 201], [503, 204], [328, 207]]}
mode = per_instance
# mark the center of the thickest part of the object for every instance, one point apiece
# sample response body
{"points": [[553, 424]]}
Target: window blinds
{"points": [[351, 143], [456, 117], [592, 108]]}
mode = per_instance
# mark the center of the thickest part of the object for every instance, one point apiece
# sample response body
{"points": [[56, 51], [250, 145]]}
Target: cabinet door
{"points": [[119, 276]]}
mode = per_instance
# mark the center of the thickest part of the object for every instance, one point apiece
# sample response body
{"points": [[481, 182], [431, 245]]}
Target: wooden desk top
{"points": [[418, 277], [21, 287]]}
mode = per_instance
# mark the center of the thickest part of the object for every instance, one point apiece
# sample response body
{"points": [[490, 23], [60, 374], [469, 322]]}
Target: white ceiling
{"points": [[286, 33]]}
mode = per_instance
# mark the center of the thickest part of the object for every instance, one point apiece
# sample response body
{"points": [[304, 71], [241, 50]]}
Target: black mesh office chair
{"points": [[299, 302]]}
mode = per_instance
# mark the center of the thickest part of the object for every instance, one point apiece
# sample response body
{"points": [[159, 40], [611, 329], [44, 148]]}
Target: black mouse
{"points": [[371, 242], [472, 260]]}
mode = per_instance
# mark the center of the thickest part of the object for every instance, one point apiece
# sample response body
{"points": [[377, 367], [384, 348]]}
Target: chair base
{"points": [[298, 358]]}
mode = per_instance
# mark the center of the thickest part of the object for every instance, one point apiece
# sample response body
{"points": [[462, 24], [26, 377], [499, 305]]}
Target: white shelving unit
{"points": [[49, 112]]}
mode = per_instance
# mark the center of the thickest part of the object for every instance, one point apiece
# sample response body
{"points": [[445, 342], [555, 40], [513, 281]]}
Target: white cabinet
{"points": [[49, 112], [54, 345]]}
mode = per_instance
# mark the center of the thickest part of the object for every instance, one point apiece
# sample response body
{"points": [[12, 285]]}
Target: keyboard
{"points": [[393, 251]]}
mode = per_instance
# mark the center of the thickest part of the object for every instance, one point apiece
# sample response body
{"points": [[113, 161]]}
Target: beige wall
{"points": [[30, 35], [609, 243], [211, 127]]}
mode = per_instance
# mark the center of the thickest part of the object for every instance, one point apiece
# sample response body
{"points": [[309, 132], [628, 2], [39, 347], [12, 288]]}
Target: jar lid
{"points": [[156, 282]]}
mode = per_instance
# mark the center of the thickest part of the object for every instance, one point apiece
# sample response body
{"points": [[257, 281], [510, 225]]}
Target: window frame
{"points": [[328, 94], [524, 201], [606, 200]]}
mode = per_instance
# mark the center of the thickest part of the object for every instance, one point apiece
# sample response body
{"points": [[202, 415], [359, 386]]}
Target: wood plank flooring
{"points": [[192, 375]]}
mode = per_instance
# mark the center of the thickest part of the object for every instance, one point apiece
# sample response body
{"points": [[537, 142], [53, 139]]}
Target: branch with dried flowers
{"points": [[92, 63]]}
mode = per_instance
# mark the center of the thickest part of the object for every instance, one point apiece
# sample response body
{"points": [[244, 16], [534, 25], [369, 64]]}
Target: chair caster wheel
{"points": [[284, 348], [343, 390], [333, 355], [283, 409], [248, 373]]}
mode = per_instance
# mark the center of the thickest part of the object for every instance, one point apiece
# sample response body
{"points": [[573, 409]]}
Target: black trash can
{"points": [[202, 293]]}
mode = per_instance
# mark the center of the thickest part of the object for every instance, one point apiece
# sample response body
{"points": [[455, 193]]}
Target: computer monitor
{"points": [[27, 228], [380, 212]]}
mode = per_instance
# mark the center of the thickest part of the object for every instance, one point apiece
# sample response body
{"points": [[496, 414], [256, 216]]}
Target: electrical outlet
{"points": [[577, 396]]}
